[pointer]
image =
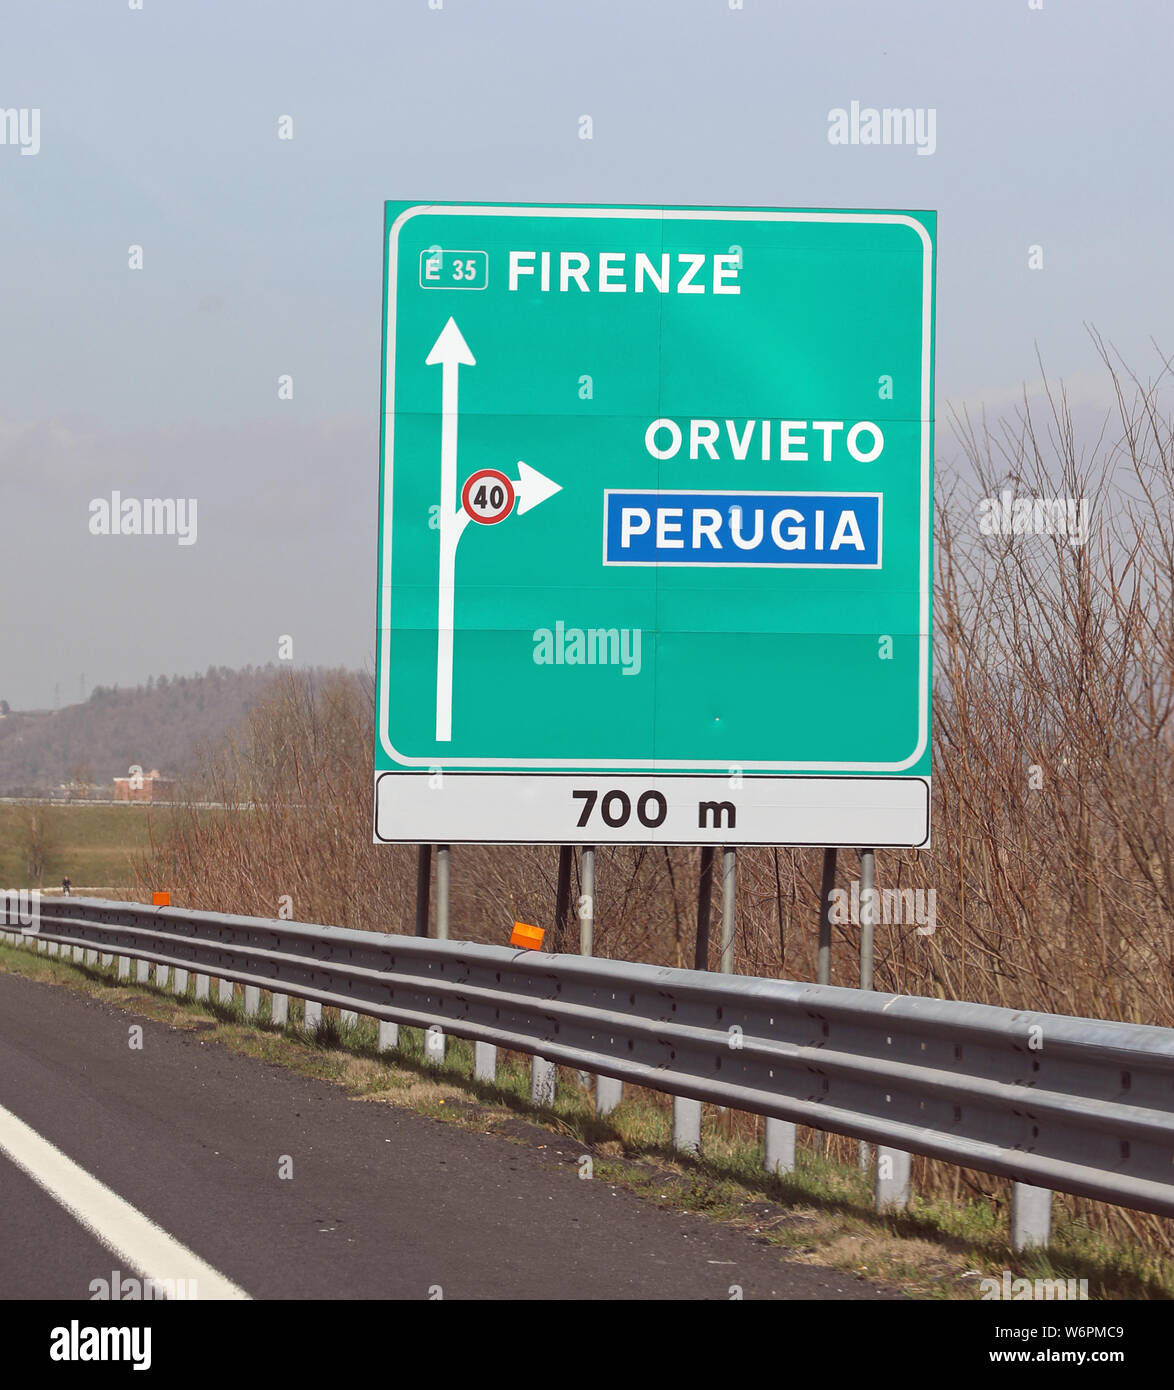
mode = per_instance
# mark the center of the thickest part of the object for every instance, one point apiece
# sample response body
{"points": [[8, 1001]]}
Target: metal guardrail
{"points": [[1077, 1105]]}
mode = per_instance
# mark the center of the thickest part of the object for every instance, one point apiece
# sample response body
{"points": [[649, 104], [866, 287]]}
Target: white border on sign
{"points": [[663, 214], [739, 564]]}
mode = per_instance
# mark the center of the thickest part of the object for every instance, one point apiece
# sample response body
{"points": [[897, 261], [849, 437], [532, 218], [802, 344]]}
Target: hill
{"points": [[157, 725]]}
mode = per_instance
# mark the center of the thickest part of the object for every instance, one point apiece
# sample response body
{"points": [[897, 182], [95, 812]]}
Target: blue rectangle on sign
{"points": [[833, 530]]}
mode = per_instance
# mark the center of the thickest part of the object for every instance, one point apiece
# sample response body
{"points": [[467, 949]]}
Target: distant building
{"points": [[147, 786]]}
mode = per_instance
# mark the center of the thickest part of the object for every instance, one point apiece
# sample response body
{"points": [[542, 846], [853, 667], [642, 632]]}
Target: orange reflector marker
{"points": [[526, 936], [161, 899]]}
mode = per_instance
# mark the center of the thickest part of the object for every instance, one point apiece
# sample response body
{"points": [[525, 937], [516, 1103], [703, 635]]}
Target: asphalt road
{"points": [[382, 1203]]}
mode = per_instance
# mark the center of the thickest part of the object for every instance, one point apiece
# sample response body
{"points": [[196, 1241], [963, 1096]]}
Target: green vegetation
{"points": [[821, 1214], [93, 845]]}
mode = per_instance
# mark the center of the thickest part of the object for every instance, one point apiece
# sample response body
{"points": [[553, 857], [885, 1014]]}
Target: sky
{"points": [[262, 257]]}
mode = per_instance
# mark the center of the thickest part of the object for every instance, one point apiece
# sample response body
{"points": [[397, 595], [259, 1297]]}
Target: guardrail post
{"points": [[313, 1017], [203, 986], [686, 1125], [1031, 1216], [252, 1000], [484, 1062], [609, 1091], [91, 957], [225, 992], [142, 972], [893, 1170], [180, 981], [161, 973], [106, 957], [124, 967], [348, 1018], [543, 1076], [388, 1036], [778, 1154], [279, 1009], [434, 1044]]}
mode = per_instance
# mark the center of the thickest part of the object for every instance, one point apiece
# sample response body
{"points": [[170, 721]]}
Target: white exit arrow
{"points": [[533, 488]]}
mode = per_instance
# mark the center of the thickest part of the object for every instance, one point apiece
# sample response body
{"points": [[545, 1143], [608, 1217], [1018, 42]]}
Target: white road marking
{"points": [[123, 1229]]}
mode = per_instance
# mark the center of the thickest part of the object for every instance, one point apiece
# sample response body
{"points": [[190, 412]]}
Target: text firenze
{"points": [[153, 516], [593, 646], [615, 272]]}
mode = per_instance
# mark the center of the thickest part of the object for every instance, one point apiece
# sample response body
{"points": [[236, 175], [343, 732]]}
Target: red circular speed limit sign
{"points": [[488, 496]]}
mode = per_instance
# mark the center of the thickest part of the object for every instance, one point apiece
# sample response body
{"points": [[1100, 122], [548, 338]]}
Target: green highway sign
{"points": [[655, 525]]}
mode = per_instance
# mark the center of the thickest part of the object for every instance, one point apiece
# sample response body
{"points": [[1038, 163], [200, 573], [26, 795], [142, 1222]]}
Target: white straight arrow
{"points": [[451, 352]]}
